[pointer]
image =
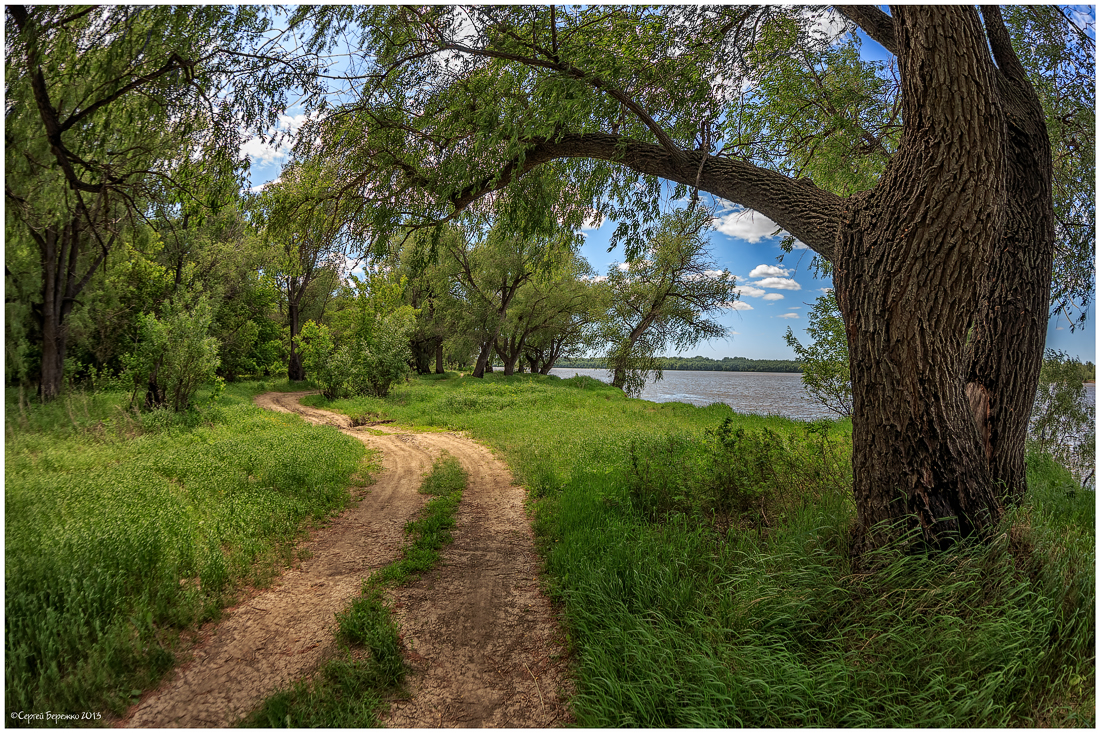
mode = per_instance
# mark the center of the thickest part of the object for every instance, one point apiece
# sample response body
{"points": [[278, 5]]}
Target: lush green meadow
{"points": [[701, 561], [122, 529]]}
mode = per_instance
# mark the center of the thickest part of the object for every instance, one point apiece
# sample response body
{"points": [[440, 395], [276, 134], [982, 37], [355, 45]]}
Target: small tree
{"points": [[824, 362], [1062, 424], [174, 355], [663, 300], [372, 352]]}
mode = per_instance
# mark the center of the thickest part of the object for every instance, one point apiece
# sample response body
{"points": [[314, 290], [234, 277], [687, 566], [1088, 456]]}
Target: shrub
{"points": [[1062, 423], [736, 475], [368, 364], [174, 355]]}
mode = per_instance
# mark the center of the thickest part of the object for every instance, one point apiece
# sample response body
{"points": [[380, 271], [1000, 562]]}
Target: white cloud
{"points": [[773, 296], [748, 291], [769, 271], [788, 315], [739, 305], [264, 153], [260, 152], [592, 221], [778, 283], [262, 186], [741, 223]]}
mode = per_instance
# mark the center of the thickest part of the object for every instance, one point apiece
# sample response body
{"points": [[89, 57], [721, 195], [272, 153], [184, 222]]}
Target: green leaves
{"points": [[662, 301], [825, 373]]}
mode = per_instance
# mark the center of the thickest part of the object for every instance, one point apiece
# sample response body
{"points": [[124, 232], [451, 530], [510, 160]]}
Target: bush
{"points": [[367, 364], [1062, 423], [735, 475], [174, 356]]}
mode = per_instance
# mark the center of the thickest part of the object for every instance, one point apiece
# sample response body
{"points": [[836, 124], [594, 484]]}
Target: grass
{"points": [[701, 559], [124, 529], [350, 691]]}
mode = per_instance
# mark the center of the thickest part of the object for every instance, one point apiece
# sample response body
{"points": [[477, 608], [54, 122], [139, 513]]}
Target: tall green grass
{"points": [[706, 582], [350, 691], [123, 528]]}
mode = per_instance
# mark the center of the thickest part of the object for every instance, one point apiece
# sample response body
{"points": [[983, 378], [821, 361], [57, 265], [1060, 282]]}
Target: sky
{"points": [[774, 295]]}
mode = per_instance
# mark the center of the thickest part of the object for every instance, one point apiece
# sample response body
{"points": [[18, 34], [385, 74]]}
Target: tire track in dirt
{"points": [[480, 636]]}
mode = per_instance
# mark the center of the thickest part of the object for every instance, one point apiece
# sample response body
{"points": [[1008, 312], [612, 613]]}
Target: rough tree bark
{"points": [[911, 265]]}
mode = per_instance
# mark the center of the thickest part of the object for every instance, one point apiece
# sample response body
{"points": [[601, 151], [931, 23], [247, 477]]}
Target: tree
{"points": [[108, 107], [825, 362], [551, 315], [488, 272], [373, 352], [174, 355], [1063, 424], [663, 300], [942, 266], [307, 229]]}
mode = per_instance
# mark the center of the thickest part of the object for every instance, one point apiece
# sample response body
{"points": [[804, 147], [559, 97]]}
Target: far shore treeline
{"points": [[697, 364]]}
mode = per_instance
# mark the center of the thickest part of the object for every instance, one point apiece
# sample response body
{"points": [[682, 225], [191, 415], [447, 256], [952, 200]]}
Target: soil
{"points": [[480, 638]]}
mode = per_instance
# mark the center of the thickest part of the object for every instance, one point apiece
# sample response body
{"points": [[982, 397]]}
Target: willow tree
{"points": [[109, 109], [663, 298], [942, 261], [306, 231]]}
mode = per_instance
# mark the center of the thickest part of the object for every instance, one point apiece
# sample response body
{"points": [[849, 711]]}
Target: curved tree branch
{"points": [[1001, 44], [809, 213], [872, 21]]}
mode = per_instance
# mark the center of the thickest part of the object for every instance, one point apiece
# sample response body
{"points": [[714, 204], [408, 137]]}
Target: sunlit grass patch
{"points": [[121, 532]]}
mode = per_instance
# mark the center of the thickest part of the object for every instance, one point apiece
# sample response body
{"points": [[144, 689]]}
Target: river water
{"points": [[760, 393]]}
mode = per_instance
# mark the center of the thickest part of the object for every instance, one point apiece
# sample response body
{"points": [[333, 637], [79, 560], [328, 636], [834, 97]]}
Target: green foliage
{"points": [[1063, 425], [174, 355], [663, 300], [825, 373], [122, 529], [369, 362], [737, 477]]}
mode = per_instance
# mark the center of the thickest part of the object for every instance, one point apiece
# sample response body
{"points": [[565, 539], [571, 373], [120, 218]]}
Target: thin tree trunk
{"points": [[294, 370], [439, 356], [482, 360]]}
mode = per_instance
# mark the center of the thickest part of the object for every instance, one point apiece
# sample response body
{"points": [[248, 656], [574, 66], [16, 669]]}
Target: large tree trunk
{"points": [[439, 357], [60, 251], [1012, 320], [912, 264]]}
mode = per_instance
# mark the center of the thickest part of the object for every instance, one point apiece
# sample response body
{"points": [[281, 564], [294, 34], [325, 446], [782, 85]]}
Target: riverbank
{"points": [[700, 560]]}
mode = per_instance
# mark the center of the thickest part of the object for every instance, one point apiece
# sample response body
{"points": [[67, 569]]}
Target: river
{"points": [[761, 393]]}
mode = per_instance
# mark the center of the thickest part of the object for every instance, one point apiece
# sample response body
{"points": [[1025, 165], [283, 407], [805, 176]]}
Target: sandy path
{"points": [[479, 635]]}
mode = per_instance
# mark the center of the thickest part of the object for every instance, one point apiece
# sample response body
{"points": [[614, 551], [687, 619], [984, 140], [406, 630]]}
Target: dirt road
{"points": [[479, 635]]}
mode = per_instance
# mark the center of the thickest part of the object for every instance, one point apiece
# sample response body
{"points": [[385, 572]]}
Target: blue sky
{"points": [[775, 295]]}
